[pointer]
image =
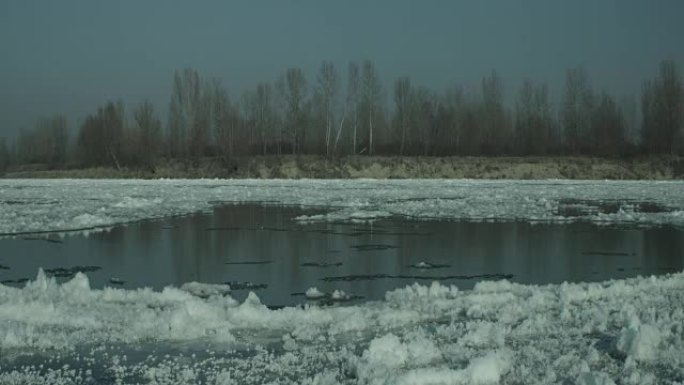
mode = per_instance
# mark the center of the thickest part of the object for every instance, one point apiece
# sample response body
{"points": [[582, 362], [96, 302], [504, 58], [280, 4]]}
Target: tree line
{"points": [[321, 115]]}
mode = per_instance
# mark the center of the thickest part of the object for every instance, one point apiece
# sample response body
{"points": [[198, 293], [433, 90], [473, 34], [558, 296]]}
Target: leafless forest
{"points": [[344, 111]]}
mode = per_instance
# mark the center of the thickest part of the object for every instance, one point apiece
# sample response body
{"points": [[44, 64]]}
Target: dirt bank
{"points": [[295, 167]]}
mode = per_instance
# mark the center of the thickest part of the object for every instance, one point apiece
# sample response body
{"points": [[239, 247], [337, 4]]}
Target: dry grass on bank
{"points": [[309, 166]]}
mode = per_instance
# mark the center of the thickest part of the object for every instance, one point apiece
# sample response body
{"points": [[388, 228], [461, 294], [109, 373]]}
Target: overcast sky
{"points": [[72, 56]]}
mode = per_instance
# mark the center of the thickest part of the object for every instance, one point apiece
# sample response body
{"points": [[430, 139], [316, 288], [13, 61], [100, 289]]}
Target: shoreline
{"points": [[382, 167]]}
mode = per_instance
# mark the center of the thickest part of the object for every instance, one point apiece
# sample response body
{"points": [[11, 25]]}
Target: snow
{"points": [[385, 355], [598, 378], [622, 331], [314, 293], [640, 342], [63, 205], [340, 295], [489, 369], [205, 290]]}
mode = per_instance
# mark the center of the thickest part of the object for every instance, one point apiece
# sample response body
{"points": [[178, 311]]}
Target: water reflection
{"points": [[263, 249]]}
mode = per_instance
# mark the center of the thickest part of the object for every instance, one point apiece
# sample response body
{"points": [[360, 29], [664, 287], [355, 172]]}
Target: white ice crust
{"points": [[55, 205], [623, 331]]}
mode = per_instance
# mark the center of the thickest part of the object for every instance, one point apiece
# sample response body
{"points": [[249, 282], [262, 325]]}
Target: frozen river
{"points": [[327, 282], [263, 249]]}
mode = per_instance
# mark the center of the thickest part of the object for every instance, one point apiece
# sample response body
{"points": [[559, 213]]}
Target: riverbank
{"points": [[378, 167]]}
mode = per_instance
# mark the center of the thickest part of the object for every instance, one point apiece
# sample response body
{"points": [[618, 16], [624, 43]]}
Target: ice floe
{"points": [[621, 331], [28, 206]]}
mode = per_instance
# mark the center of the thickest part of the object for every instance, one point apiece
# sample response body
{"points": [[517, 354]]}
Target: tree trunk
{"points": [[114, 158], [264, 143], [355, 124], [370, 134], [339, 130], [327, 132], [403, 136]]}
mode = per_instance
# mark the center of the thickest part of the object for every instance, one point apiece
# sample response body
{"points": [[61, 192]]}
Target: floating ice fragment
{"points": [[252, 300], [418, 335], [339, 295], [314, 293], [640, 342], [205, 290], [387, 351], [489, 369], [68, 205], [289, 343], [427, 265]]}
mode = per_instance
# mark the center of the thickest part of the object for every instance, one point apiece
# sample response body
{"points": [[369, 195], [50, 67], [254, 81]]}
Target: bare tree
{"points": [[295, 96], [4, 155], [340, 126], [670, 104], [281, 109], [663, 110], [148, 134], [628, 106], [112, 117], [608, 130], [472, 125], [250, 116], [100, 139], [648, 116], [177, 119], [494, 120], [425, 105], [190, 112], [453, 103], [46, 143], [403, 104], [353, 80], [578, 101], [525, 117], [225, 118], [545, 129], [60, 137], [533, 122], [263, 104], [201, 123], [371, 92], [284, 117], [325, 94]]}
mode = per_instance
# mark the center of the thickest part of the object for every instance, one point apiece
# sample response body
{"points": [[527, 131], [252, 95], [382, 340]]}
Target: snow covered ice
{"points": [[63, 205], [616, 332], [627, 331]]}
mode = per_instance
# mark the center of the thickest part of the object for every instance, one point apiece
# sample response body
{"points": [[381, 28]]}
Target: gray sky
{"points": [[70, 56]]}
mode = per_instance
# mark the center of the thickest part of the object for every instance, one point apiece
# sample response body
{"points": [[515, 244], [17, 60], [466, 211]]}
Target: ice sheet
{"points": [[624, 331], [62, 205]]}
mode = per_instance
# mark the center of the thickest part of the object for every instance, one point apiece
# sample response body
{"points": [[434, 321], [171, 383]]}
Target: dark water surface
{"points": [[262, 249]]}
